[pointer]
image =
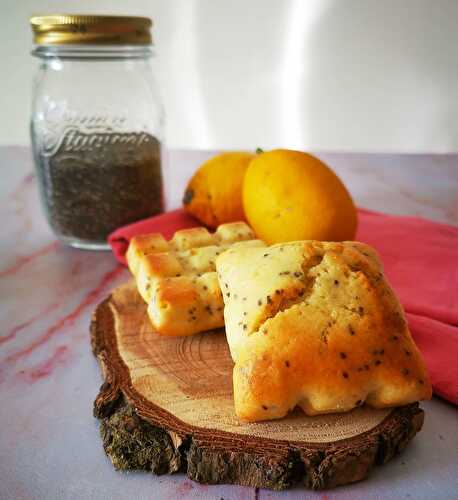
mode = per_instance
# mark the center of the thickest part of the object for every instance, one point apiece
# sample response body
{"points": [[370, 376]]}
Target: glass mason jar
{"points": [[96, 125]]}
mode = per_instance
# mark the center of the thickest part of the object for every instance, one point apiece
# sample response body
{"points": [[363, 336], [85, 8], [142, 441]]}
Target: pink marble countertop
{"points": [[49, 441]]}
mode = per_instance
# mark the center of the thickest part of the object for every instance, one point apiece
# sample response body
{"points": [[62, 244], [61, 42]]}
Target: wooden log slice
{"points": [[166, 405]]}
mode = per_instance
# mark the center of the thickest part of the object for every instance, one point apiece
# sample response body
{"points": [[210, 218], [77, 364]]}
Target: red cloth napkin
{"points": [[420, 258]]}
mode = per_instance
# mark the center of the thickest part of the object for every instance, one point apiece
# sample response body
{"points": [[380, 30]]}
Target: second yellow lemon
{"points": [[214, 193], [290, 195]]}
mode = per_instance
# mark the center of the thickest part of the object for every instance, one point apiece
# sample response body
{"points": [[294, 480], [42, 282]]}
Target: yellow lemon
{"points": [[214, 193], [290, 195]]}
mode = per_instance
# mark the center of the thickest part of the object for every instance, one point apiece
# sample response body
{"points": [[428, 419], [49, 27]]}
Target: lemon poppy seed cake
{"points": [[177, 278], [316, 325]]}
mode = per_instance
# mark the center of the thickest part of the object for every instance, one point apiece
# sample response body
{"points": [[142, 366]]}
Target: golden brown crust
{"points": [[184, 306], [317, 326], [142, 245]]}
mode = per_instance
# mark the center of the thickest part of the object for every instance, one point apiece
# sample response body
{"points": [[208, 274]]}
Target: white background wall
{"points": [[373, 75]]}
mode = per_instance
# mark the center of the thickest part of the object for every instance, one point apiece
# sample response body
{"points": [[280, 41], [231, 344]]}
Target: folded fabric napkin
{"points": [[420, 258]]}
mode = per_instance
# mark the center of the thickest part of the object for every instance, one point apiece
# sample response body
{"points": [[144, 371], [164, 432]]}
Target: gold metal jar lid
{"points": [[87, 29]]}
